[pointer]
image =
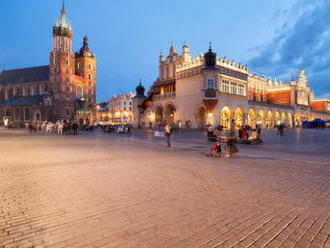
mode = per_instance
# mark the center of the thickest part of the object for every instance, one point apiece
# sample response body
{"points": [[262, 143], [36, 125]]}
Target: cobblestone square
{"points": [[104, 190]]}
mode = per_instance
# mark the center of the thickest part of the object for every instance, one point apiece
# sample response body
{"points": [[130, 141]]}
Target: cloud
{"points": [[303, 39]]}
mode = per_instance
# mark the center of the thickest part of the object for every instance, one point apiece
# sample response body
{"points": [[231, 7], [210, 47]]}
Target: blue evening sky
{"points": [[273, 37]]}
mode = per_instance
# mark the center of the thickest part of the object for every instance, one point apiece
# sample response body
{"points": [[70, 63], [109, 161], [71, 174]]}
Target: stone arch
{"points": [[284, 117], [225, 116], [270, 119], [37, 115], [251, 119], [159, 111], [297, 120], [239, 117], [277, 118], [201, 117], [169, 114], [290, 123], [261, 118]]}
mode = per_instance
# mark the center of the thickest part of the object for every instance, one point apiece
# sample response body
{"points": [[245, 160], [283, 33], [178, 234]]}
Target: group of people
{"points": [[228, 139], [250, 138]]}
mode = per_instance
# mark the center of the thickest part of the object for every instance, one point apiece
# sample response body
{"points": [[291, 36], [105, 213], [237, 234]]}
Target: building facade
{"points": [[193, 92], [64, 89], [120, 109]]}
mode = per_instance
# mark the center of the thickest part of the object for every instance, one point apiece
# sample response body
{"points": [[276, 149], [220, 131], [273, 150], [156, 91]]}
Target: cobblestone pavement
{"points": [[106, 191]]}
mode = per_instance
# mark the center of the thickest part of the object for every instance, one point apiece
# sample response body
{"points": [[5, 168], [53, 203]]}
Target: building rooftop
{"points": [[25, 75]]}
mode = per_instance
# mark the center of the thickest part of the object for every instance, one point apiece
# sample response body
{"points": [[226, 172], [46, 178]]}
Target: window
{"points": [[67, 62], [225, 86], [210, 84], [14, 92], [89, 76], [90, 67], [233, 88], [241, 89], [6, 94], [78, 66], [24, 91], [41, 90], [89, 83], [32, 91]]}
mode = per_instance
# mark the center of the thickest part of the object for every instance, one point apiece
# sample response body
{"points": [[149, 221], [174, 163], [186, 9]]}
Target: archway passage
{"points": [[159, 115], [170, 114], [261, 119], [239, 117], [201, 117], [251, 118], [297, 120], [283, 118], [277, 118], [270, 119], [225, 117], [290, 124]]}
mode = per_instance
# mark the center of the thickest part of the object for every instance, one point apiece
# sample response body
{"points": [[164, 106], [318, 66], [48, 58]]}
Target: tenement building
{"points": [[120, 109], [193, 92], [64, 89]]}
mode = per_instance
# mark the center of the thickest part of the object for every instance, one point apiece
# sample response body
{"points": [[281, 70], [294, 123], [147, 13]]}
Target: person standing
{"points": [[168, 132], [259, 131]]}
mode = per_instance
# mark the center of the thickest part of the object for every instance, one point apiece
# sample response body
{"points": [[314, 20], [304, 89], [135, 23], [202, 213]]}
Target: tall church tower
{"points": [[62, 69]]}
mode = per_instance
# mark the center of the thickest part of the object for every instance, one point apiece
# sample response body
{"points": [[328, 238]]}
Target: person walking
{"points": [[259, 131], [168, 132]]}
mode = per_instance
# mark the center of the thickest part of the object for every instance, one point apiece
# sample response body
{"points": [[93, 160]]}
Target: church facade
{"points": [[193, 92], [62, 90]]}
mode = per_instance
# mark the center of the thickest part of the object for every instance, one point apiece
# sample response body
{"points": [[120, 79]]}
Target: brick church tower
{"points": [[62, 69]]}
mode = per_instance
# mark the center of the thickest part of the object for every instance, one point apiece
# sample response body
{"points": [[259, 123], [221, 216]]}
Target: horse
{"points": [[44, 126], [50, 127], [60, 127]]}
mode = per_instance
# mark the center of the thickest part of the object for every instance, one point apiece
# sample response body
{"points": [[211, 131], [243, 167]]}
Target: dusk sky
{"points": [[273, 37]]}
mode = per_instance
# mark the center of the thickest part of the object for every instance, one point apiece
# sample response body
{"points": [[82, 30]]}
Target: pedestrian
{"points": [[259, 131], [232, 128], [168, 132]]}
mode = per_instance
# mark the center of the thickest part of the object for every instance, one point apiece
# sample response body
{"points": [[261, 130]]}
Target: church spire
{"points": [[63, 17]]}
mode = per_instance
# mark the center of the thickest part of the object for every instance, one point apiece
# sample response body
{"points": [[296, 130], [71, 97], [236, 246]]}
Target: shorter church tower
{"points": [[85, 67]]}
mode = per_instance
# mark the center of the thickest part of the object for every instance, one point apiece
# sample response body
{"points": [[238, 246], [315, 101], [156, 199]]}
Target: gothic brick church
{"points": [[62, 90]]}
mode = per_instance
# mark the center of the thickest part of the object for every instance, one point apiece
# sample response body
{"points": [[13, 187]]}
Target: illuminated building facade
{"points": [[192, 92]]}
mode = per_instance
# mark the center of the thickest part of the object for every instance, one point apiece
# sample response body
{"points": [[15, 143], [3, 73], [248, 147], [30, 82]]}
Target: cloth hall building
{"points": [[62, 90], [193, 92]]}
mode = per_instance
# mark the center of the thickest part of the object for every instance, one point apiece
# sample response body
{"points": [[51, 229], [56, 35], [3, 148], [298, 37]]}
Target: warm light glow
{"points": [[210, 115]]}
